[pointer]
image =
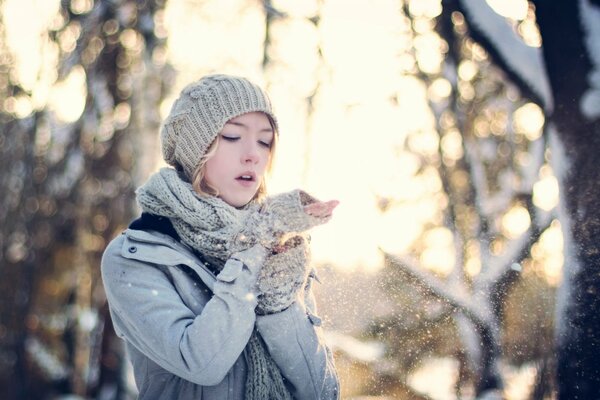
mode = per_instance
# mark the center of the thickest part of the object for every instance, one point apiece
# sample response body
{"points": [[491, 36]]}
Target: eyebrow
{"points": [[236, 123]]}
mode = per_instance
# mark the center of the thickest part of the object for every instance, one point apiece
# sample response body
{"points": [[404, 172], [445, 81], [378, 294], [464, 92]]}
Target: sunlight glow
{"points": [[515, 222], [214, 35], [443, 371], [452, 144], [438, 255], [519, 381], [473, 258], [440, 89], [545, 193], [305, 8], [529, 120], [25, 39], [467, 70], [67, 98], [425, 8], [81, 6], [428, 48], [549, 252], [515, 9]]}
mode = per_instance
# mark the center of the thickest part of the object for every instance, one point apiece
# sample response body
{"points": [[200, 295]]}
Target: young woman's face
{"points": [[238, 166]]}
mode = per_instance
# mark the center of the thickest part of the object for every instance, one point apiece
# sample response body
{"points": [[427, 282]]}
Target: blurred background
{"points": [[441, 266]]}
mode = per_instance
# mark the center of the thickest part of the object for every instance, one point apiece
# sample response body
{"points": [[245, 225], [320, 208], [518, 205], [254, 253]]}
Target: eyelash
{"points": [[235, 139]]}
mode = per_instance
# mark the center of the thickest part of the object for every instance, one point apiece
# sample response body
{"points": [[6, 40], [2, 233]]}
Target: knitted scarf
{"points": [[205, 223], [216, 229]]}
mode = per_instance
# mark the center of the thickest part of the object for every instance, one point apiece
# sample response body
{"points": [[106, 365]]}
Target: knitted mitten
{"points": [[280, 217], [283, 276]]}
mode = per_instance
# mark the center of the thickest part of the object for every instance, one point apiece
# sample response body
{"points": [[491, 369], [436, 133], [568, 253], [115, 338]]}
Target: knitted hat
{"points": [[200, 113]]}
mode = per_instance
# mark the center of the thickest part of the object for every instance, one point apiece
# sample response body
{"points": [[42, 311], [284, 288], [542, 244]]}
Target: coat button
{"points": [[132, 249]]}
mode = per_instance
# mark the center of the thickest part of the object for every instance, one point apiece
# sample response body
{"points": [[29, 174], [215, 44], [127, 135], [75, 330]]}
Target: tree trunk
{"points": [[65, 200], [575, 149]]}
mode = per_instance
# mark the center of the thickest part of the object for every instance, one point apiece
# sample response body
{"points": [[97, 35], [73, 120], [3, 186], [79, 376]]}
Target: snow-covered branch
{"points": [[508, 261], [530, 172], [514, 252], [590, 18], [43, 357], [478, 179], [438, 288], [522, 62]]}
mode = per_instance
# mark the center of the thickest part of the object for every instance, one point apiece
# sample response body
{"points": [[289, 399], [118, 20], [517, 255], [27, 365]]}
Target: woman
{"points": [[211, 288]]}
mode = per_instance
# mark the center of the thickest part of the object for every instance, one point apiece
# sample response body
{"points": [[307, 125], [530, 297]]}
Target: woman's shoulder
{"points": [[138, 239], [114, 247], [146, 246], [134, 250]]}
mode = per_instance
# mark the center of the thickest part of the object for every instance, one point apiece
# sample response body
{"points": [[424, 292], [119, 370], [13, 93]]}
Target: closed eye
{"points": [[231, 138], [265, 144]]}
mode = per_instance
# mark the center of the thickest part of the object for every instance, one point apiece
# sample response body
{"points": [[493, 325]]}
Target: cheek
{"points": [[212, 170]]}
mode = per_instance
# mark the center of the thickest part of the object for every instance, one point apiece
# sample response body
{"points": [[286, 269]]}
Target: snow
{"points": [[590, 18], [470, 341], [476, 311], [477, 172], [530, 171], [442, 371], [366, 351], [520, 381], [525, 61], [560, 166]]}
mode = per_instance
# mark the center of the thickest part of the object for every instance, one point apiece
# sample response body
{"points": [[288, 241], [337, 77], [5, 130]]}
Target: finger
{"points": [[331, 205], [327, 208], [318, 211], [321, 208]]}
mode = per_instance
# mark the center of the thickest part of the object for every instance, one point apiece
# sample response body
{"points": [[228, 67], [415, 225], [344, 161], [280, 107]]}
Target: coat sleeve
{"points": [[295, 342], [148, 312]]}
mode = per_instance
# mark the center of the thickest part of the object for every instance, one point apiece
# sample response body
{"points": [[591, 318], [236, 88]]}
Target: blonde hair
{"points": [[203, 188]]}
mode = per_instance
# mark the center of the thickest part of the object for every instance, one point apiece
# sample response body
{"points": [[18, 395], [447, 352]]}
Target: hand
{"points": [[282, 278], [321, 209]]}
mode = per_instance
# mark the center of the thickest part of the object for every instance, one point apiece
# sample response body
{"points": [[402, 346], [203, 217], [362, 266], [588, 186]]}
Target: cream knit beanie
{"points": [[200, 113]]}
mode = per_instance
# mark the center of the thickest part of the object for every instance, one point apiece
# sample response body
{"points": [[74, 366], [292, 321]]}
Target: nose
{"points": [[250, 154]]}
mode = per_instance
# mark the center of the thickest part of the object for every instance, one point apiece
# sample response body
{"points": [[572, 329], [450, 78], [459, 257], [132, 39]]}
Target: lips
{"points": [[249, 176], [246, 178]]}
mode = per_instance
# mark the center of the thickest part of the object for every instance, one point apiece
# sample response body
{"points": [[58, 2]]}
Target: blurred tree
{"points": [[482, 168], [570, 40], [68, 188]]}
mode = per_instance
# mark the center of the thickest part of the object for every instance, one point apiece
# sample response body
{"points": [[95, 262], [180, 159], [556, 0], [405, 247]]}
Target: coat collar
{"points": [[160, 248]]}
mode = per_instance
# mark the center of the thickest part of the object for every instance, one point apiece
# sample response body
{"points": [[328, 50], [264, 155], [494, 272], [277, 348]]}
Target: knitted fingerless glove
{"points": [[283, 276], [279, 218]]}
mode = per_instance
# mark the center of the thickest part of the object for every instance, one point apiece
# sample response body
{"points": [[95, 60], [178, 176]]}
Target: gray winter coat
{"points": [[186, 329]]}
